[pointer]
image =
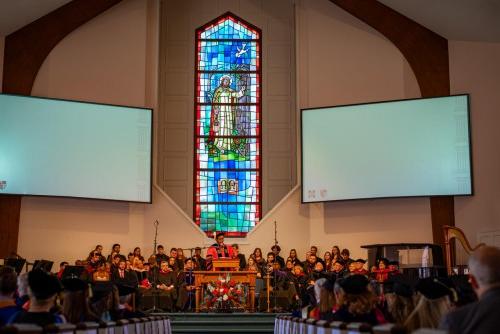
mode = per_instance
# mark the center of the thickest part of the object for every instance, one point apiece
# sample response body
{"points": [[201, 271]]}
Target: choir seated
{"points": [[332, 287]]}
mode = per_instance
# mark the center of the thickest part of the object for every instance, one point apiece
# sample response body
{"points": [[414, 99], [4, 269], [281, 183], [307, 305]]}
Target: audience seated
{"points": [[357, 302], [481, 316], [433, 300], [75, 303], [8, 286], [323, 287], [43, 289]]}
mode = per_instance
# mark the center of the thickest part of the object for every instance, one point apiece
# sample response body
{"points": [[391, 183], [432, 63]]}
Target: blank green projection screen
{"points": [[406, 148], [74, 149]]}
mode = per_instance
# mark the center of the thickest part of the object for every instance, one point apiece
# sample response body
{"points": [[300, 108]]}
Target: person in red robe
{"points": [[219, 249]]}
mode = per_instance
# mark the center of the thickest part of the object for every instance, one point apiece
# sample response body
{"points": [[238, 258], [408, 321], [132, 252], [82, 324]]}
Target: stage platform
{"points": [[248, 323]]}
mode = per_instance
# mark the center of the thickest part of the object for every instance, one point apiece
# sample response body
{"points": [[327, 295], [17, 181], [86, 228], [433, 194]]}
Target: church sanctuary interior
{"points": [[249, 166]]}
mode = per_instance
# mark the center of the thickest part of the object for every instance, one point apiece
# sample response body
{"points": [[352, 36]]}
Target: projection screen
{"points": [[418, 147], [52, 147]]}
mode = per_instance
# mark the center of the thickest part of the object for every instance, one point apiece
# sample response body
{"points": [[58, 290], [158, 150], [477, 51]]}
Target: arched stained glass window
{"points": [[227, 166]]}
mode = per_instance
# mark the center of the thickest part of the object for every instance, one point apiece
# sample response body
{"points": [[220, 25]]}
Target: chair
{"points": [[452, 232]]}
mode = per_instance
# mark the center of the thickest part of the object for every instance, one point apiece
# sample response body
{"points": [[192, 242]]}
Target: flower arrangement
{"points": [[224, 294]]}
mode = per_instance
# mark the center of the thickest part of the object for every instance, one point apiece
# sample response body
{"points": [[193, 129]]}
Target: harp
{"points": [[452, 232]]}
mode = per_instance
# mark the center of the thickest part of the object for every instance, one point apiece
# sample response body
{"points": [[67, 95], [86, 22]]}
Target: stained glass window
{"points": [[227, 180]]}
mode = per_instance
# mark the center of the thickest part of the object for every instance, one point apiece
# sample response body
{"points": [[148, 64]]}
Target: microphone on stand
{"points": [[156, 222]]}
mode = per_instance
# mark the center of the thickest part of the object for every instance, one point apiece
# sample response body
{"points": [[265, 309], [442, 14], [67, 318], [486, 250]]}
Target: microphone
{"points": [[156, 222]]}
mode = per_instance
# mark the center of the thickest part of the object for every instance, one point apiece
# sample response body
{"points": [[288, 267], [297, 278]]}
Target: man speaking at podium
{"points": [[219, 249]]}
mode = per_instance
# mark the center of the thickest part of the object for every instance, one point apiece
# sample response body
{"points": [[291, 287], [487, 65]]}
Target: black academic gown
{"points": [[186, 299]]}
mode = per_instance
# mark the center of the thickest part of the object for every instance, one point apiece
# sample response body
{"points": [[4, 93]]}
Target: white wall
{"points": [[475, 69]]}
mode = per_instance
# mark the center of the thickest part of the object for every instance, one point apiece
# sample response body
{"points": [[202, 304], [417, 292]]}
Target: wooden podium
{"points": [[245, 277], [225, 263]]}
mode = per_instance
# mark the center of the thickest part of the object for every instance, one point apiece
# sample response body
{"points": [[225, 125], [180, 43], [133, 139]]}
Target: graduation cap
{"points": [[393, 263], [42, 284], [433, 288], [360, 261], [74, 284], [398, 286], [124, 290], [354, 284], [101, 290]]}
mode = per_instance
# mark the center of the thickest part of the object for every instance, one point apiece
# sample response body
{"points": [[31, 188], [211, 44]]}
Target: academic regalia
{"points": [[282, 289], [186, 299], [161, 258], [167, 297], [281, 261], [220, 251], [199, 263], [243, 261]]}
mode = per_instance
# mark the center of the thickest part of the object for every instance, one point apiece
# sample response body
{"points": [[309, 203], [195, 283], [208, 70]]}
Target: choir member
{"points": [[327, 259], [115, 250], [310, 263], [276, 249], [101, 273], [137, 254], [180, 258], [62, 266], [335, 253], [199, 262], [338, 269], [359, 267], [241, 257], [293, 257], [257, 255], [345, 255], [381, 272], [160, 254]]}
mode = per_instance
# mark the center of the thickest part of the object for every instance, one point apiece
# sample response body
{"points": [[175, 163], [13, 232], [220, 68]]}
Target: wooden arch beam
{"points": [[427, 54], [25, 51]]}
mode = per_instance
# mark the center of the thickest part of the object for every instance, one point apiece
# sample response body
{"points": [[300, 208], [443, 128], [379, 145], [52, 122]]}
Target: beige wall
{"points": [[2, 42], [475, 69]]}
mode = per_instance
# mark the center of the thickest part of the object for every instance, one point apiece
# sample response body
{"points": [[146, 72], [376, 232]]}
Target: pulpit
{"points": [[246, 277], [225, 264]]}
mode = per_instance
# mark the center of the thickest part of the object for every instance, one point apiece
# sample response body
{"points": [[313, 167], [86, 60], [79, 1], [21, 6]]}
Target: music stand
{"points": [[73, 271], [17, 264], [43, 265]]}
